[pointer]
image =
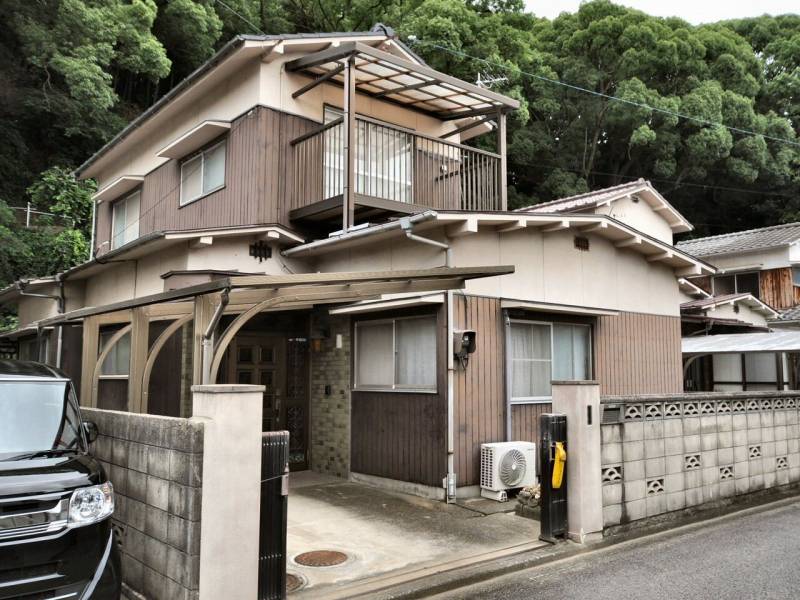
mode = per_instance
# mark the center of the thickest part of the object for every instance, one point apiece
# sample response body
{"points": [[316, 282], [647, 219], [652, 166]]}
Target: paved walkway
{"points": [[386, 534], [751, 556]]}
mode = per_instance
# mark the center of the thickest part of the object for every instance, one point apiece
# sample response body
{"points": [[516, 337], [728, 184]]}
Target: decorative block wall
{"points": [[330, 397], [155, 464], [665, 453]]}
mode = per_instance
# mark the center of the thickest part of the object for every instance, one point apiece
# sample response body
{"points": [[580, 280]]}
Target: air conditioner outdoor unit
{"points": [[506, 466]]}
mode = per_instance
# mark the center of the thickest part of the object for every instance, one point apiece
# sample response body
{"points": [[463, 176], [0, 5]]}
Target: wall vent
{"points": [[581, 243]]}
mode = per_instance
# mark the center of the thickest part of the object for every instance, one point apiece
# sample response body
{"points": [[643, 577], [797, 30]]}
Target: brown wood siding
{"points": [[164, 393], [479, 405], [400, 435], [525, 423], [777, 289], [71, 355], [256, 182], [638, 353]]}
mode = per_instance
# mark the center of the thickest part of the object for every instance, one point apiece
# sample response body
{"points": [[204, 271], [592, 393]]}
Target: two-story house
{"points": [[740, 325], [305, 212]]}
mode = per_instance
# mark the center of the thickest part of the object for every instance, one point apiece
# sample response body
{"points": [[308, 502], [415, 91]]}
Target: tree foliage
{"points": [[73, 72]]}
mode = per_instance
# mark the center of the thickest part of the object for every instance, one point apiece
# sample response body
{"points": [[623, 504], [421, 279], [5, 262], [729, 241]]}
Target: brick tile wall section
{"points": [[155, 464], [666, 453], [330, 414]]}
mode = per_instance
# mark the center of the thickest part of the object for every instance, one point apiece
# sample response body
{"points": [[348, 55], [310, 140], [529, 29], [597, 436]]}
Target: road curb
{"points": [[451, 579]]}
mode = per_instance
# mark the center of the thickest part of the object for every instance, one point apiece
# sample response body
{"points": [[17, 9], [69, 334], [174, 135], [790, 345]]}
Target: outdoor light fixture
{"points": [[317, 337]]}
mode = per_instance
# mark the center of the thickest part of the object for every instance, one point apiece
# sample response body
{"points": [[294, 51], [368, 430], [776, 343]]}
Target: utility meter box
{"points": [[464, 342]]}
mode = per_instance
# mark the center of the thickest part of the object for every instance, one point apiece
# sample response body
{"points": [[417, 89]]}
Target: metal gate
{"points": [[274, 505]]}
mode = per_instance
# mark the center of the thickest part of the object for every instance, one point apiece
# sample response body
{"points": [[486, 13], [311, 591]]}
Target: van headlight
{"points": [[91, 504]]}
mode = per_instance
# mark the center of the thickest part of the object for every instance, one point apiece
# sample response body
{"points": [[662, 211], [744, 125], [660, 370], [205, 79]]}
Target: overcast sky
{"points": [[694, 11]]}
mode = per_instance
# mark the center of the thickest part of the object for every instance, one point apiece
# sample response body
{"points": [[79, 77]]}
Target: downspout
{"points": [[507, 370], [208, 334], [60, 304], [450, 482], [94, 223]]}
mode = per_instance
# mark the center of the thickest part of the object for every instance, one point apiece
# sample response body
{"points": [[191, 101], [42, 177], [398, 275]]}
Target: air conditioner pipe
{"points": [[450, 481]]}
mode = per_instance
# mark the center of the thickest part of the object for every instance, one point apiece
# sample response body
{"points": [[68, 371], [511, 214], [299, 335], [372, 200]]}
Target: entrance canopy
{"points": [[245, 297], [774, 341]]}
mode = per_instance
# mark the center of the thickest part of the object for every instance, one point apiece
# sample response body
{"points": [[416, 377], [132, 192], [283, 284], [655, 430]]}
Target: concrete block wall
{"points": [[330, 412], [155, 464], [666, 453]]}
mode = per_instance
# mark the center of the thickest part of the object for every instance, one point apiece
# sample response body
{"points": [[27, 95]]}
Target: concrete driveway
{"points": [[390, 537]]}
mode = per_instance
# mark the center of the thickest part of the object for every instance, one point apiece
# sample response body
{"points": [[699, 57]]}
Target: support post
{"points": [[350, 141], [91, 335], [502, 178], [230, 502], [203, 311], [580, 402], [140, 329]]}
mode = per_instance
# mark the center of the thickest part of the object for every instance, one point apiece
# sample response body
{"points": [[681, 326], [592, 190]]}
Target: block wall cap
{"points": [[228, 389], [577, 382]]}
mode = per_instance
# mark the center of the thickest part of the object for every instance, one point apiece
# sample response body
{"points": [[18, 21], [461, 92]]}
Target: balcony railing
{"points": [[395, 165]]}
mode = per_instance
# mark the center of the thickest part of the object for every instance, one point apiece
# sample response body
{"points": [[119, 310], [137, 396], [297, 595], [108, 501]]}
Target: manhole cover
{"points": [[320, 558], [293, 582]]}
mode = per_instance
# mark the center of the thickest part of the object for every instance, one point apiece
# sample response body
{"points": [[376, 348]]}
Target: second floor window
{"points": [[125, 220], [737, 283], [203, 173]]}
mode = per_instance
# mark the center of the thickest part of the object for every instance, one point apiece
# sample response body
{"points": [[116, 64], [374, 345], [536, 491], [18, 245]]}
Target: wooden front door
{"points": [[281, 366]]}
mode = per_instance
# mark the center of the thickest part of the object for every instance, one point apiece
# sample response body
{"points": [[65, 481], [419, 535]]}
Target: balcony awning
{"points": [[393, 79]]}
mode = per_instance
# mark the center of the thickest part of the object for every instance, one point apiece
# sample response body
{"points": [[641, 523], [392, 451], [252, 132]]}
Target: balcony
{"points": [[354, 169], [396, 171]]}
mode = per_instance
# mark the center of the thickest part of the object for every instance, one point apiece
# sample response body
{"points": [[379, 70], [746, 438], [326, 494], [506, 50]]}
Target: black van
{"points": [[56, 540]]}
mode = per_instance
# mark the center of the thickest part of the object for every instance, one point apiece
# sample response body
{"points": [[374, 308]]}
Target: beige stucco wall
{"points": [[639, 215], [30, 309], [548, 269], [746, 314], [769, 259]]}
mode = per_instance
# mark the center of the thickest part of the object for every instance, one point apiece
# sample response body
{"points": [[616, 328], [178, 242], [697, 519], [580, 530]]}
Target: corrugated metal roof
{"points": [[743, 241], [774, 341]]}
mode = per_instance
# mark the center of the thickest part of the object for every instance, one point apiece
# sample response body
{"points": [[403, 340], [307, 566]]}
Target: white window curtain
{"points": [[204, 173], [125, 220], [531, 359], [396, 354], [415, 353], [375, 354], [542, 352], [384, 161]]}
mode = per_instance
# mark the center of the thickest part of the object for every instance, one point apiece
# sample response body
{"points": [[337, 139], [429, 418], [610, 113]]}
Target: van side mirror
{"points": [[91, 431]]}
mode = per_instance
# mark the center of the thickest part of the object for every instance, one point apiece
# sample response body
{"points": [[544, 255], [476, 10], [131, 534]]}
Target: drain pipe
{"points": [[60, 305], [208, 334], [449, 482]]}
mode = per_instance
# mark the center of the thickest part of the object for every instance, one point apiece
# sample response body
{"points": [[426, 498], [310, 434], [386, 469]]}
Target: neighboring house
{"points": [[747, 311], [301, 213]]}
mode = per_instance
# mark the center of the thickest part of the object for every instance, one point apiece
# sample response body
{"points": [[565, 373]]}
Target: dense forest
{"points": [[710, 114]]}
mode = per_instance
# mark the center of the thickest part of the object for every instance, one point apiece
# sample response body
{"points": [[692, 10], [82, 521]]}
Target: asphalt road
{"points": [[752, 556]]}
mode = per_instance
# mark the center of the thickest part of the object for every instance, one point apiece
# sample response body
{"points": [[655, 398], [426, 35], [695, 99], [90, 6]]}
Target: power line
{"points": [[554, 166], [242, 17], [415, 41]]}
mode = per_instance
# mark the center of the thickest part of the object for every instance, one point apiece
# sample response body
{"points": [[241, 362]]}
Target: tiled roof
{"points": [[586, 200], [743, 241], [712, 301], [790, 314]]}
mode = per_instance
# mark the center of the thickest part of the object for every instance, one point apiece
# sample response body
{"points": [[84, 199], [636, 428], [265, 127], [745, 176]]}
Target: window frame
{"points": [[795, 269], [550, 324], [202, 155], [114, 205], [395, 387], [735, 276], [101, 347]]}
